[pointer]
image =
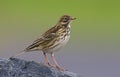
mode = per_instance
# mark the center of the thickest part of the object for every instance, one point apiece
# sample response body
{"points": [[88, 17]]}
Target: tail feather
{"points": [[19, 53], [22, 52]]}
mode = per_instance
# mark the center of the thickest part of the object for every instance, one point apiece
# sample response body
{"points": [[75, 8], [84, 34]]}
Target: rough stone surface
{"points": [[14, 67]]}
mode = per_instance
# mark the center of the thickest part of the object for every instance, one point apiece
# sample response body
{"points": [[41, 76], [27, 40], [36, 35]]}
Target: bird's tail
{"points": [[19, 53]]}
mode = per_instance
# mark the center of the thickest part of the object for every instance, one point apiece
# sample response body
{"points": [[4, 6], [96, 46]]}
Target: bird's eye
{"points": [[65, 19]]}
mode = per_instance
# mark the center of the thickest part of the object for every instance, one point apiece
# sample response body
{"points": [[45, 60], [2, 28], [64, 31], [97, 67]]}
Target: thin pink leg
{"points": [[46, 59], [55, 62]]}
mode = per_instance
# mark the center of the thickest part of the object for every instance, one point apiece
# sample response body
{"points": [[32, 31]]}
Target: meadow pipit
{"points": [[53, 39]]}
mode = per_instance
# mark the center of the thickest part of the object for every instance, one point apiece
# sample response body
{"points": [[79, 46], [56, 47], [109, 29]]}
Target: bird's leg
{"points": [[46, 59], [55, 62]]}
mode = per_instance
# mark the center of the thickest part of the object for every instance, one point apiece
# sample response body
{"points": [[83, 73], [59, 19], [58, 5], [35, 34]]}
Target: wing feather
{"points": [[41, 40]]}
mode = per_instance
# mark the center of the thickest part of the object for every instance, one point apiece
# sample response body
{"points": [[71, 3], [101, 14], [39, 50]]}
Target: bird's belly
{"points": [[59, 44]]}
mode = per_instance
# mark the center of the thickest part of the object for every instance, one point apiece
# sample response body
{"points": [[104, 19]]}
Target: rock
{"points": [[14, 67]]}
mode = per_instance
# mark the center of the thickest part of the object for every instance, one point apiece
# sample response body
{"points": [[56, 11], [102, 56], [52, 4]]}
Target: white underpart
{"points": [[61, 43]]}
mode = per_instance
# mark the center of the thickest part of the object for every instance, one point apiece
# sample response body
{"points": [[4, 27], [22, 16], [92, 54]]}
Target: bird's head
{"points": [[66, 19]]}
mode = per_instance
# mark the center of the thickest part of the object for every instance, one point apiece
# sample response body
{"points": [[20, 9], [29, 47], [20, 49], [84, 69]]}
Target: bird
{"points": [[52, 40]]}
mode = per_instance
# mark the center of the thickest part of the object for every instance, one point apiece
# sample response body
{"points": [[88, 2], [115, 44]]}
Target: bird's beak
{"points": [[73, 18]]}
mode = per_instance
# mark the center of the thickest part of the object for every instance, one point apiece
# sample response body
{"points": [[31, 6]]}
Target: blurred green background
{"points": [[95, 35]]}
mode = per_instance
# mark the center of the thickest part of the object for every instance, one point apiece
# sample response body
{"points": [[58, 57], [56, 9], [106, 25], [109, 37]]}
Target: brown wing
{"points": [[46, 37], [36, 43], [40, 41]]}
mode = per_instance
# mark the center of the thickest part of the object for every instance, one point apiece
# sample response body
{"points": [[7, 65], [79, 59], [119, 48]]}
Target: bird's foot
{"points": [[54, 66], [47, 64], [59, 68]]}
